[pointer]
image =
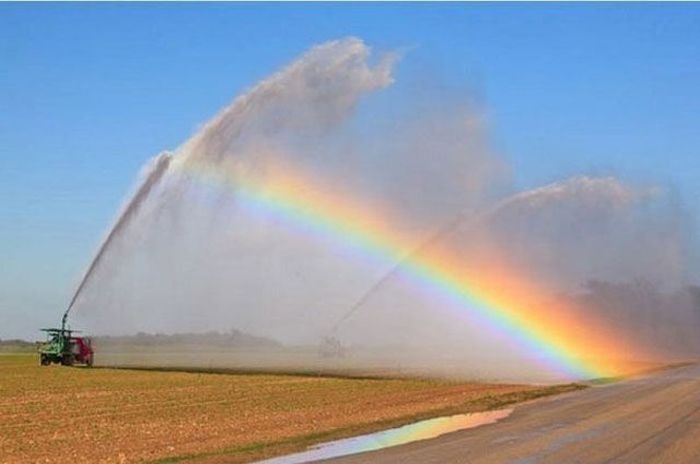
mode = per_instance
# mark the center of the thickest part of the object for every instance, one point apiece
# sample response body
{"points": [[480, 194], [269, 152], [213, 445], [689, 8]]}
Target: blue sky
{"points": [[88, 92]]}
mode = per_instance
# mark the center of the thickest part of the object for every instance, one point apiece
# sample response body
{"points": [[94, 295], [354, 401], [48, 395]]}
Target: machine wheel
{"points": [[67, 360], [89, 360], [45, 361]]}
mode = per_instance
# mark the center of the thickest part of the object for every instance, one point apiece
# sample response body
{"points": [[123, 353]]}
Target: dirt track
{"points": [[652, 419]]}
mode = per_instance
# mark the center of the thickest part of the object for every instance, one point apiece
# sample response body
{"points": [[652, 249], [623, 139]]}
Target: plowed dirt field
{"points": [[81, 415]]}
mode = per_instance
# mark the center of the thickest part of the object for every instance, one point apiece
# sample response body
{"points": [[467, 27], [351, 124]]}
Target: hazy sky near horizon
{"points": [[89, 92]]}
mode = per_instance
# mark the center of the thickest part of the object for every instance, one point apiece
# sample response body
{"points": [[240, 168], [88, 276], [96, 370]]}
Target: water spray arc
{"points": [[159, 168], [435, 237], [576, 187], [396, 268]]}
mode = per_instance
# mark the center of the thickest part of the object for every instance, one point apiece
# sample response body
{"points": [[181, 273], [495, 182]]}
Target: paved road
{"points": [[646, 420]]}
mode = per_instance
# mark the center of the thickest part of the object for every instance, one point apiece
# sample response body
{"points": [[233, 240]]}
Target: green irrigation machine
{"points": [[65, 348]]}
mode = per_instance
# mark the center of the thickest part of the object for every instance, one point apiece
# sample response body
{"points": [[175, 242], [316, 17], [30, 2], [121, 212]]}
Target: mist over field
{"points": [[190, 253]]}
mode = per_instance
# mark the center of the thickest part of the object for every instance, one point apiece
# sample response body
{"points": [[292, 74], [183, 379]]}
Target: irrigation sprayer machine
{"points": [[63, 347]]}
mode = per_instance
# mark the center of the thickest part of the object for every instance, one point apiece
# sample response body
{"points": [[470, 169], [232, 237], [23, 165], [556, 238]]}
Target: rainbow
{"points": [[489, 288]]}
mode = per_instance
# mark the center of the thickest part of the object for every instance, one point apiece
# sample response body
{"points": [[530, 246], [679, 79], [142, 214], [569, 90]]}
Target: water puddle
{"points": [[422, 430]]}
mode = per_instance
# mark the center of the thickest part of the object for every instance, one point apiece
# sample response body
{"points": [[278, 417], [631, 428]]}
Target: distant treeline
{"points": [[668, 320], [16, 345], [232, 338]]}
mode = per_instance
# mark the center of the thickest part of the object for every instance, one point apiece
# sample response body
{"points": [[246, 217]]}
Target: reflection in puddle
{"points": [[412, 432]]}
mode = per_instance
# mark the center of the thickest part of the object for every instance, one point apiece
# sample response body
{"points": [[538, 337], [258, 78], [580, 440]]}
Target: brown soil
{"points": [[59, 414]]}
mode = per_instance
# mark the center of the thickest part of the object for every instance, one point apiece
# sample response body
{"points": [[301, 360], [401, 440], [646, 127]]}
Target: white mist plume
{"points": [[590, 227], [190, 243], [191, 258], [309, 96], [584, 192]]}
